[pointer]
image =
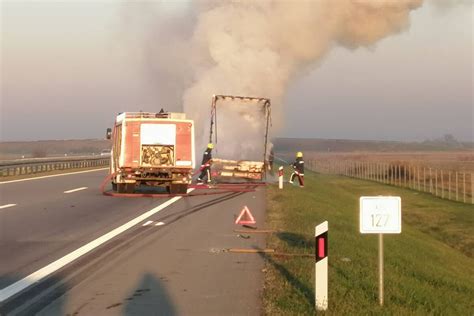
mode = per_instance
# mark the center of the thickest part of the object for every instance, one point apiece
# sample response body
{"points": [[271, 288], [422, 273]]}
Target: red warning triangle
{"points": [[245, 217]]}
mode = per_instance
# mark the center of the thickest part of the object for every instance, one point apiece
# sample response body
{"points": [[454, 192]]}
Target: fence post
{"points": [[472, 189], [442, 184], [400, 178], [418, 177], [431, 181], [436, 182], [389, 170], [424, 179], [377, 165], [464, 187], [405, 176], [449, 185], [457, 186]]}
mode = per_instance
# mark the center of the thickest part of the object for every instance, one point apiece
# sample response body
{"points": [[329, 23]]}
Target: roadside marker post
{"points": [[321, 266], [380, 215], [280, 177]]}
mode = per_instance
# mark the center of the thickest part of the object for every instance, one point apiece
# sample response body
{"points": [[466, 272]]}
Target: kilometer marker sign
{"points": [[380, 215]]}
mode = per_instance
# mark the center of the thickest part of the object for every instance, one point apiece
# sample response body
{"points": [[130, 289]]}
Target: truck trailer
{"points": [[251, 114], [152, 149]]}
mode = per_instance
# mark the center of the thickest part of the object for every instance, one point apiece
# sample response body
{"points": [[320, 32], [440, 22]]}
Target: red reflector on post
{"points": [[321, 248]]}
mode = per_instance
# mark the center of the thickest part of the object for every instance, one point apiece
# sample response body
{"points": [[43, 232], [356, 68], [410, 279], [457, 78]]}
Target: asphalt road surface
{"points": [[65, 249]]}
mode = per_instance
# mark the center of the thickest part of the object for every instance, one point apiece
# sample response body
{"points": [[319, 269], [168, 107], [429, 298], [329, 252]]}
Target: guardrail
{"points": [[32, 166]]}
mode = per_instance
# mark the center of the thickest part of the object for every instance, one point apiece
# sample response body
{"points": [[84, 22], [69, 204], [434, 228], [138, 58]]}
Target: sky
{"points": [[68, 67]]}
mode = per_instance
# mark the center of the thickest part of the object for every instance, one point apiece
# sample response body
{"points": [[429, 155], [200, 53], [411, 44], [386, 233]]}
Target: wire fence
{"points": [[446, 184]]}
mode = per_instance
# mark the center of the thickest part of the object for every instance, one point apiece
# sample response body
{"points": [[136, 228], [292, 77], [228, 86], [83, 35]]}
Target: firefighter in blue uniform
{"points": [[206, 164], [298, 167]]}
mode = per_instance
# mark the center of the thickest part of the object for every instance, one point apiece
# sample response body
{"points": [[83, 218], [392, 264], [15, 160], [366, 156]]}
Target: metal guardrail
{"points": [[31, 166]]}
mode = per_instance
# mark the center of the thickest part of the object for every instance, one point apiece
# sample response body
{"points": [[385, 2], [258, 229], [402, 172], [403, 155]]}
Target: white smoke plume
{"points": [[255, 48]]}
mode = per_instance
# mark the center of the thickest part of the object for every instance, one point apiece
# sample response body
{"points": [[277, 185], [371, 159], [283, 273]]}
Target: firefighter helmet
{"points": [[299, 154], [210, 145]]}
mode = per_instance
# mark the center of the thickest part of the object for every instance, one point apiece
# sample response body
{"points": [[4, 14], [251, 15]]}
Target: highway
{"points": [[67, 249]]}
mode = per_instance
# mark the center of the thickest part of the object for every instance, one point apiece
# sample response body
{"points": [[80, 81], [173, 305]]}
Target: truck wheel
{"points": [[125, 187], [121, 187], [129, 187], [178, 188]]}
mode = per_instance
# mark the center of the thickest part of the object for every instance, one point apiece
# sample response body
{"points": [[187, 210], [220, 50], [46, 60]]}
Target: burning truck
{"points": [[239, 129], [152, 149]]}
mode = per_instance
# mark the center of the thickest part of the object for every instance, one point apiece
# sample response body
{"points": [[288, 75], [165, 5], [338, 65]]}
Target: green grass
{"points": [[429, 267]]}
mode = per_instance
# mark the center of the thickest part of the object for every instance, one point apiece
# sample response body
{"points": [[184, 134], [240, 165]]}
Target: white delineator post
{"points": [[321, 266], [280, 177]]}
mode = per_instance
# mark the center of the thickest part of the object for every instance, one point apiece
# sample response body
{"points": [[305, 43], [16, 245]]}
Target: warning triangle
{"points": [[245, 217]]}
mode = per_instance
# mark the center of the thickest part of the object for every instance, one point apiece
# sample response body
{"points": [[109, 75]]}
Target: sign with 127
{"points": [[380, 215]]}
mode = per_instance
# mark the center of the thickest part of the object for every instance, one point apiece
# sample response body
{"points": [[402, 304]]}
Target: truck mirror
{"points": [[108, 133]]}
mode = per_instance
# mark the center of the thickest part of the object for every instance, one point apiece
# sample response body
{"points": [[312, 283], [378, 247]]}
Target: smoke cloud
{"points": [[256, 48]]}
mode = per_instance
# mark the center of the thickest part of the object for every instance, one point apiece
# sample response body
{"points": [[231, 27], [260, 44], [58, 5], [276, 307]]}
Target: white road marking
{"points": [[53, 175], [147, 223], [7, 205], [42, 273], [75, 190], [159, 224]]}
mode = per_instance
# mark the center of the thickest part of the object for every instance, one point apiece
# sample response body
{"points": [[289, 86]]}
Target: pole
{"points": [[472, 188], [418, 177], [280, 177], [321, 266], [381, 269], [442, 183], [431, 182], [457, 186], [464, 187], [449, 185], [424, 179]]}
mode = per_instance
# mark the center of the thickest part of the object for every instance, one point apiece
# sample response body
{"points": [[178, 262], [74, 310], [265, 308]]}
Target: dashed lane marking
{"points": [[7, 205], [75, 190], [159, 224], [147, 223], [42, 273]]}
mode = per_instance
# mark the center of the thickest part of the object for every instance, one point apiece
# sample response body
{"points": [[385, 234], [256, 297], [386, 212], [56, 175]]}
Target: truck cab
{"points": [[152, 149]]}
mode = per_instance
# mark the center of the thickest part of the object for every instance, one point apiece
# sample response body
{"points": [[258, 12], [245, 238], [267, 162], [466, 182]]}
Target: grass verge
{"points": [[429, 267]]}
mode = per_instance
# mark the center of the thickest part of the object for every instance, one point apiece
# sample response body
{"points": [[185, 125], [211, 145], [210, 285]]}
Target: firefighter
{"points": [[206, 164], [298, 167]]}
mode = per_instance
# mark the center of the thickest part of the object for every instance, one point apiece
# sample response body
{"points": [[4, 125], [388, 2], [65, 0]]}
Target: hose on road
{"points": [[214, 189]]}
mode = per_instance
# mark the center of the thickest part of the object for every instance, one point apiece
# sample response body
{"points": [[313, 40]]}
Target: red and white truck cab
{"points": [[152, 149]]}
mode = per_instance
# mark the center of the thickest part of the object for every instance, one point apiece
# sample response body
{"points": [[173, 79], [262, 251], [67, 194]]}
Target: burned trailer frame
{"points": [[266, 104]]}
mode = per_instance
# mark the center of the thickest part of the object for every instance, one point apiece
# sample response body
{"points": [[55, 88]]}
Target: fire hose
{"points": [[220, 188]]}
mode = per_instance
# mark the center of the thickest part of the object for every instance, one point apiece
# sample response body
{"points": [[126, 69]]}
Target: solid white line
{"points": [[75, 190], [147, 223], [159, 224], [7, 205], [37, 276], [51, 176]]}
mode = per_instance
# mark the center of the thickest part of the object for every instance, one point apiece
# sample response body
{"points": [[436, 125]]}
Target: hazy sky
{"points": [[67, 67]]}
